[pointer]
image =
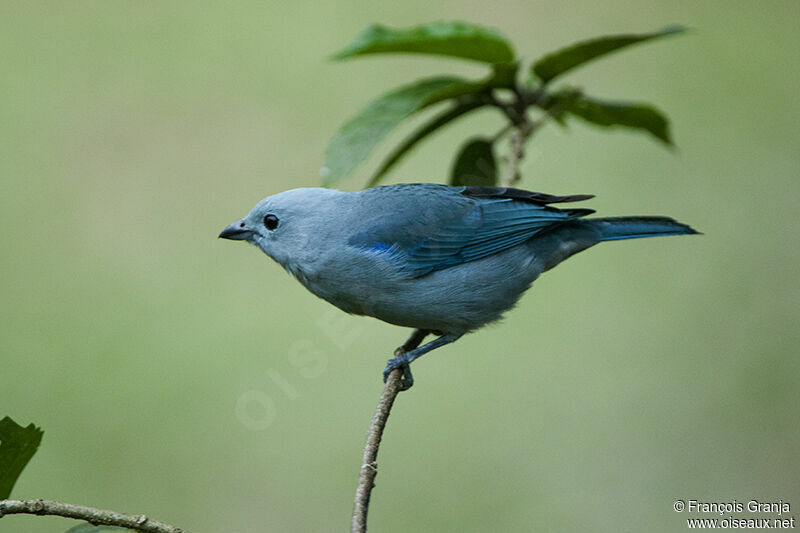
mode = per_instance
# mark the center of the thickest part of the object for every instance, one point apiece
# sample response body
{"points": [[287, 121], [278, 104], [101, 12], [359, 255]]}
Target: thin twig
{"points": [[500, 134], [369, 463], [90, 514], [511, 110], [516, 152], [523, 128]]}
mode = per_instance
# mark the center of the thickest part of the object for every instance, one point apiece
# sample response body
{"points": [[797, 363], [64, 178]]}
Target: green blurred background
{"points": [[168, 368]]}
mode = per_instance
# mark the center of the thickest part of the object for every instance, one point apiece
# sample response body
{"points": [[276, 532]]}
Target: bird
{"points": [[443, 260]]}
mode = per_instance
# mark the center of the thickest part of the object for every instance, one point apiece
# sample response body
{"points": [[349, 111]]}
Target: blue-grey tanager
{"points": [[444, 260]]}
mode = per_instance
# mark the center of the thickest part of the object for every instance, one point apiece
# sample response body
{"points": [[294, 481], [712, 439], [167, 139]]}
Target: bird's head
{"points": [[285, 225]]}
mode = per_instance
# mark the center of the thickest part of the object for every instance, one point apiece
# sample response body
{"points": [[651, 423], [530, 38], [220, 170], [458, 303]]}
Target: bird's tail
{"points": [[617, 228]]}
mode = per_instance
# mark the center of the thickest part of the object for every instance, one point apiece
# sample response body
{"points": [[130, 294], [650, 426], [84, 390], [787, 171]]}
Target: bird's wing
{"points": [[449, 226]]}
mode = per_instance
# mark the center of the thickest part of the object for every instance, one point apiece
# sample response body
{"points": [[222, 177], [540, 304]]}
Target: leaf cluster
{"points": [[507, 87]]}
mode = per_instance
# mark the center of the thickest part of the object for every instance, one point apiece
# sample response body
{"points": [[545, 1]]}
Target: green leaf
{"points": [[89, 528], [17, 446], [454, 39], [412, 140], [475, 164], [561, 61], [630, 115], [557, 103], [504, 76], [358, 136]]}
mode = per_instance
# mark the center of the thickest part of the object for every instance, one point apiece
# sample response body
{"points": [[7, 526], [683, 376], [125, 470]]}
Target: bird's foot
{"points": [[401, 362]]}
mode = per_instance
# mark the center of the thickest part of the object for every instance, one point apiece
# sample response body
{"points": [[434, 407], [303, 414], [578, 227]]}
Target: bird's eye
{"points": [[270, 222]]}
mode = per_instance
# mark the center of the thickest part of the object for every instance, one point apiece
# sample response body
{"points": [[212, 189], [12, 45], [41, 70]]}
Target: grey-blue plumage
{"points": [[444, 260]]}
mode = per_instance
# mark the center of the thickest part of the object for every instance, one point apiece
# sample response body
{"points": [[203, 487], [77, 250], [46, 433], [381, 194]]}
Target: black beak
{"points": [[238, 231]]}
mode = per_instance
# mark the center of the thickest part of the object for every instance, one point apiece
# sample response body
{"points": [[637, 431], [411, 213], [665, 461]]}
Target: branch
{"points": [[89, 514], [522, 128], [516, 152], [369, 463]]}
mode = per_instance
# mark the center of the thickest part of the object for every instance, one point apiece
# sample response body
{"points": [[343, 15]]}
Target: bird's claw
{"points": [[406, 380]]}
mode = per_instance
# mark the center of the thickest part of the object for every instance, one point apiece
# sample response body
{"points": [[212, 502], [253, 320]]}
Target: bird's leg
{"points": [[414, 340], [404, 359]]}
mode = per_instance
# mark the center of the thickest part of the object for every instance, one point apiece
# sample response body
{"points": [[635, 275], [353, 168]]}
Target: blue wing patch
{"points": [[459, 232], [380, 247]]}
